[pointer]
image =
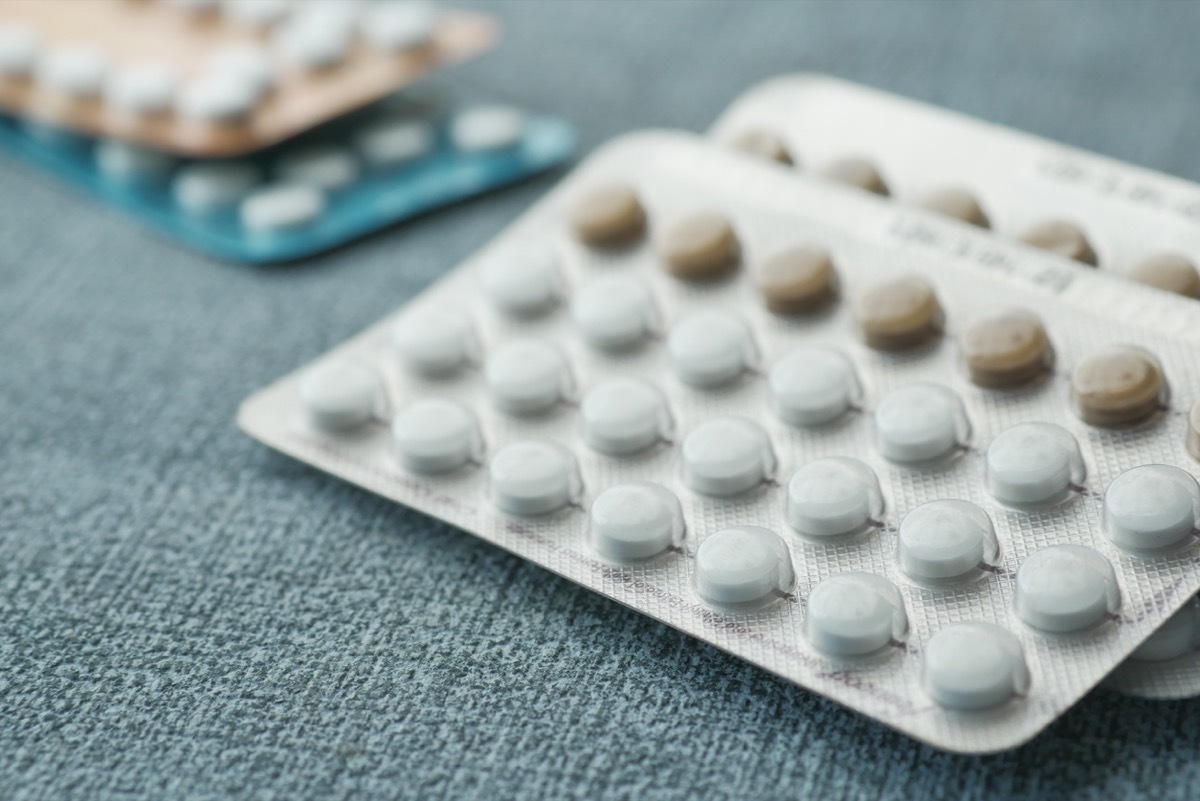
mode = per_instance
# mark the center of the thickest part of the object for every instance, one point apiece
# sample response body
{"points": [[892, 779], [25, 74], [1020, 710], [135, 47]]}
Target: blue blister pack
{"points": [[361, 173]]}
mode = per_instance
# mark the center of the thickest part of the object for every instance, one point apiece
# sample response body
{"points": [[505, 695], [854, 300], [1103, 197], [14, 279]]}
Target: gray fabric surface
{"points": [[184, 614]]}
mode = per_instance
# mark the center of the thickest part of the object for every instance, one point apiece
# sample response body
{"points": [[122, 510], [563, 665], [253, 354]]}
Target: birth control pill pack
{"points": [[370, 169], [883, 455], [1130, 222], [219, 78]]}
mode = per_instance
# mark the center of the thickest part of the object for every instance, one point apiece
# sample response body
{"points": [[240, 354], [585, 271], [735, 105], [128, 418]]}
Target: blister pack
{"points": [[348, 178], [1128, 221], [219, 78], [879, 454]]}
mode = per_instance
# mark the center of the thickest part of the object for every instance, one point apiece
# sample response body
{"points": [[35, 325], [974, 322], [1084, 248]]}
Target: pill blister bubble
{"points": [[340, 396], [832, 498], [534, 477], [710, 349], [1065, 588], [623, 416], [726, 456], [613, 312], [854, 614], [742, 566], [1033, 464], [523, 281], [920, 423], [813, 385], [974, 665], [946, 541], [436, 435], [527, 376], [434, 341], [634, 521], [1151, 508]]}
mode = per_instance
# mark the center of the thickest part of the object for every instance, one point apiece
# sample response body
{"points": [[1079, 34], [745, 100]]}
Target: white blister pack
{"points": [[1129, 221], [821, 432]]}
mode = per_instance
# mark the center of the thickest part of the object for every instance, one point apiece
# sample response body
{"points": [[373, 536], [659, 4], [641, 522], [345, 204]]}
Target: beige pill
{"points": [[1063, 238], [797, 280], [957, 203], [857, 172], [702, 247], [608, 216], [764, 144], [1168, 271], [1007, 350], [1193, 432], [1117, 386], [898, 314]]}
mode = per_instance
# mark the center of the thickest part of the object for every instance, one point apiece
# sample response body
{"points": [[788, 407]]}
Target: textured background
{"points": [[185, 614]]}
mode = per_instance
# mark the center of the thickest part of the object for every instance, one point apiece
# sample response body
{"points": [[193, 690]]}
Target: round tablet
{"points": [[957, 203], [613, 312], [390, 142], [18, 50], [608, 216], [527, 376], [726, 456], [125, 162], [858, 173], [311, 42], [710, 348], [282, 207], [398, 27], [217, 98], [142, 89], [1065, 588], [1033, 463], [434, 435], [945, 540], [854, 614], [1062, 238], [533, 477], [340, 395], [973, 666], [1192, 439], [743, 565], [1168, 271], [326, 167], [1151, 507], [920, 422], [813, 385], [622, 416], [434, 341], [702, 247], [899, 313], [244, 64], [1009, 349], [763, 144], [833, 497], [255, 13], [1174, 638], [797, 280], [488, 129], [1116, 386], [76, 70], [637, 520], [206, 186], [523, 281]]}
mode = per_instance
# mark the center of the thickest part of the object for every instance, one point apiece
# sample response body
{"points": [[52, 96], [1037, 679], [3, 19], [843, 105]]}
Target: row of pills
{"points": [[1169, 271]]}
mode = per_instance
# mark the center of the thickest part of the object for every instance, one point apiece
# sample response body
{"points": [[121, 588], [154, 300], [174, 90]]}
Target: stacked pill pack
{"points": [[940, 477], [261, 130]]}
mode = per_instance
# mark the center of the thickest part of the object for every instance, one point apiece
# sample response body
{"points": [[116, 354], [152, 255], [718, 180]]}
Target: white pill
{"points": [[216, 98], [487, 128], [1151, 507], [974, 666], [313, 42], [122, 161], [854, 614], [434, 435], [635, 521], [204, 187], [527, 376], [613, 311], [434, 341], [710, 348], [533, 477], [1179, 635], [623, 416], [399, 26], [255, 13], [142, 89], [327, 167], [77, 70], [813, 385], [1033, 463], [920, 422], [18, 50], [340, 396], [1065, 588], [523, 281], [726, 456], [390, 142], [244, 64], [743, 565], [194, 6], [945, 540], [278, 208], [833, 497]]}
